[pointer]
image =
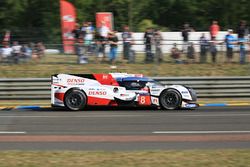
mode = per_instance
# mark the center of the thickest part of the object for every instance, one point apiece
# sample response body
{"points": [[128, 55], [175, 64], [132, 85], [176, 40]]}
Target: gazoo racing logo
{"points": [[75, 81], [96, 93]]}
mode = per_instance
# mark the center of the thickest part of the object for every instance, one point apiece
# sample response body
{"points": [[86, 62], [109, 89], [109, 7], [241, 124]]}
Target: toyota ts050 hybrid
{"points": [[76, 91]]}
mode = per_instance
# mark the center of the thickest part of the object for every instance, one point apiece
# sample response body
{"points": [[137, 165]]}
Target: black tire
{"points": [[75, 100], [170, 99]]}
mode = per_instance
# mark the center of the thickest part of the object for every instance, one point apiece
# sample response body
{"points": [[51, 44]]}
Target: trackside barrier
{"points": [[206, 87]]}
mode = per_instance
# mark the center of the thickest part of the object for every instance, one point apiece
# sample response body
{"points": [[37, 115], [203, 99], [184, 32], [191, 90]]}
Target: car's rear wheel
{"points": [[75, 100], [170, 99]]}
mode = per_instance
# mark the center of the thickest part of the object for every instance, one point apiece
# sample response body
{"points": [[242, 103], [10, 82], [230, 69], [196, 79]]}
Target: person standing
{"points": [[148, 40], [214, 29], [242, 46], [190, 53], [213, 50], [242, 32], [16, 51], [76, 32], [203, 48], [242, 29], [229, 40], [103, 31], [5, 52], [89, 37], [98, 47], [127, 41], [84, 30], [113, 41], [157, 41], [185, 35]]}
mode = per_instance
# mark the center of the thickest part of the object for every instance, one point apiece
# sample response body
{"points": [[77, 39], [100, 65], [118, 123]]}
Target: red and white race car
{"points": [[76, 91]]}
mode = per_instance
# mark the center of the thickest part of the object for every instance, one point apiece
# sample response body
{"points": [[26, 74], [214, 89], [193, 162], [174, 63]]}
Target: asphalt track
{"points": [[125, 129]]}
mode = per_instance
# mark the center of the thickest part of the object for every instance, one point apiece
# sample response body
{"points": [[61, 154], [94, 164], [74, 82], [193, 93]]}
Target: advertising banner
{"points": [[104, 18], [68, 21]]}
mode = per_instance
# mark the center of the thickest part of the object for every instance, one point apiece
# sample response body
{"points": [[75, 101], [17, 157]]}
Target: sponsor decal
{"points": [[68, 35], [144, 100], [184, 92], [75, 81], [68, 18], [56, 80], [155, 101], [101, 93], [105, 76], [124, 95]]}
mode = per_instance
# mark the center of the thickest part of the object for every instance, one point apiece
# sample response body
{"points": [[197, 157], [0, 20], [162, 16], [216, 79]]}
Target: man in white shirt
{"points": [[16, 51], [5, 52], [103, 31]]}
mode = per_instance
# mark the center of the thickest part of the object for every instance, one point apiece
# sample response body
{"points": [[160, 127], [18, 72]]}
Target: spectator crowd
{"points": [[91, 41], [14, 53], [95, 42]]}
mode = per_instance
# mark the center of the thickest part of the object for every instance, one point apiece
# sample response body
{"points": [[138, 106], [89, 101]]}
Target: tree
{"points": [[39, 20]]}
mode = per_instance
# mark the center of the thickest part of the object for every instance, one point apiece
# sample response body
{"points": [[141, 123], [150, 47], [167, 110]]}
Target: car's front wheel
{"points": [[75, 100], [170, 99]]}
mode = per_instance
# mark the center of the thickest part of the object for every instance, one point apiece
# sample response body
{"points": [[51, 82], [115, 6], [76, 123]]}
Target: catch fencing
{"points": [[206, 87]]}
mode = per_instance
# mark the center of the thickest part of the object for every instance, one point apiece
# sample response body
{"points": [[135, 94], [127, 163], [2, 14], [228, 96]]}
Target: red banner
{"points": [[106, 18], [68, 21]]}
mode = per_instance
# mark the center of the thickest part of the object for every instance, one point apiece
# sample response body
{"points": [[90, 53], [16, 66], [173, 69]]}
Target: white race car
{"points": [[76, 91]]}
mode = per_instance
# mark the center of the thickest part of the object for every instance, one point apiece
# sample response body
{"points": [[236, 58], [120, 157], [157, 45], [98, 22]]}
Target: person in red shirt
{"points": [[214, 29]]}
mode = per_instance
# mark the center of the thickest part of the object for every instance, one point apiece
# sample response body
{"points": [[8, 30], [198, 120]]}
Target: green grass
{"points": [[52, 64], [189, 158]]}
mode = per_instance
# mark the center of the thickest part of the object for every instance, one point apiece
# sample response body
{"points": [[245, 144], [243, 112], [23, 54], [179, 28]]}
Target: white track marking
{"points": [[60, 116], [10, 132], [198, 132], [215, 115]]}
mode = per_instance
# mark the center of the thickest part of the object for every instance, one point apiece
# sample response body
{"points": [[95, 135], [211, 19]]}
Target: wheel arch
{"points": [[166, 89]]}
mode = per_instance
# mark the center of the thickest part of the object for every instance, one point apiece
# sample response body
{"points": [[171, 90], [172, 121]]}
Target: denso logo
{"points": [[102, 93], [75, 80]]}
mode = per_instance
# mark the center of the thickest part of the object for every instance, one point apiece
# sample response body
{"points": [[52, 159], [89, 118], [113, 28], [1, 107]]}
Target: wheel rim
{"points": [[75, 100], [171, 100]]}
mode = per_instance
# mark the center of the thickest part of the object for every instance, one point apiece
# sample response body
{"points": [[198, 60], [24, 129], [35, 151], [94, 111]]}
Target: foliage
{"points": [[39, 20], [145, 23]]}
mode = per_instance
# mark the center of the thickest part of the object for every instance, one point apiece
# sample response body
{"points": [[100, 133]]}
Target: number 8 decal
{"points": [[142, 100]]}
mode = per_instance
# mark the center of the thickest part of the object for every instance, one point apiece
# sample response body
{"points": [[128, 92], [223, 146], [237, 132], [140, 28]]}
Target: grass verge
{"points": [[188, 158], [52, 64]]}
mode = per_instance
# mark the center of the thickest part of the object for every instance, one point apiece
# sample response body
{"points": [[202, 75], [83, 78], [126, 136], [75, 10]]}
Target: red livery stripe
{"points": [[106, 79], [59, 96], [96, 101]]}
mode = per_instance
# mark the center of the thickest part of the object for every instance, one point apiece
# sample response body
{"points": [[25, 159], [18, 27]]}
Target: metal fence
{"points": [[206, 87]]}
